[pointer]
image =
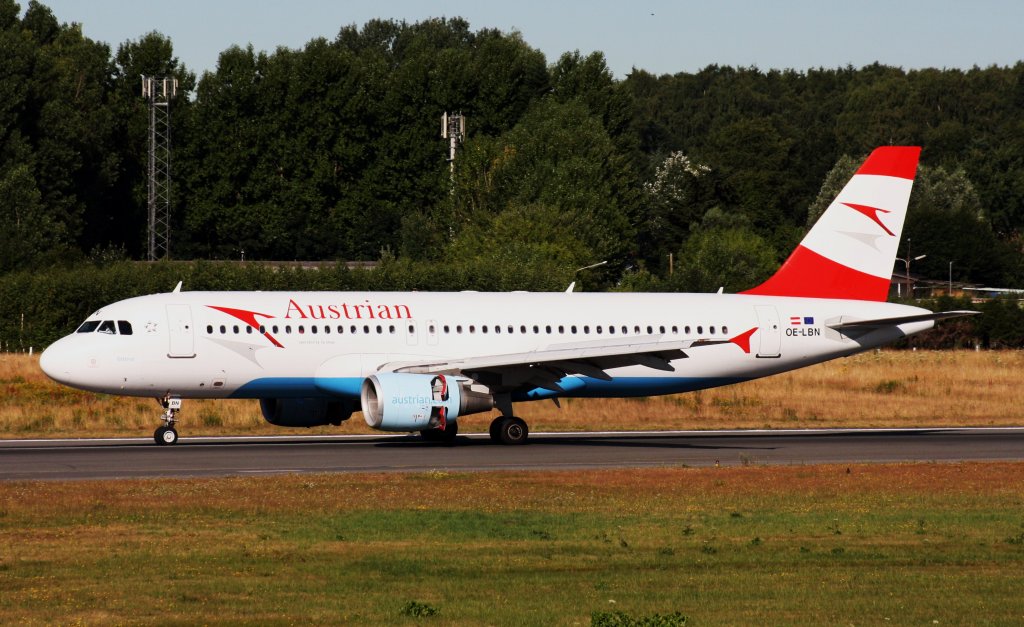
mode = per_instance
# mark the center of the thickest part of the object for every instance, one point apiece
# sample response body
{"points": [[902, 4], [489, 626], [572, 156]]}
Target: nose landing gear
{"points": [[166, 434]]}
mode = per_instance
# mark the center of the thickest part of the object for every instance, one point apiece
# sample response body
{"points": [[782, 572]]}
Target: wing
{"points": [[544, 368]]}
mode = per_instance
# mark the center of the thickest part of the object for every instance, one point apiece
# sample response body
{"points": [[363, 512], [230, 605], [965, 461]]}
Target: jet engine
{"points": [[305, 412], [416, 402]]}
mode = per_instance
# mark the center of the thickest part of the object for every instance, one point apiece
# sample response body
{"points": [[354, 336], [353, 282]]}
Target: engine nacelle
{"points": [[415, 402], [305, 412]]}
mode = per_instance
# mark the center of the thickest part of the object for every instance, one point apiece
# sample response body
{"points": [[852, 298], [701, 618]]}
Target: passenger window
{"points": [[650, 330], [586, 329], [275, 329], [107, 326], [711, 330], [223, 329], [458, 328], [341, 329], [88, 326], [483, 329], [124, 327], [391, 329], [302, 329], [497, 328], [472, 328], [209, 329], [675, 330], [312, 329], [447, 329], [599, 329], [288, 328], [611, 329], [661, 330], [561, 330], [522, 328], [686, 329], [725, 330], [547, 329], [327, 330], [700, 330], [573, 329], [235, 329], [248, 329], [536, 329]]}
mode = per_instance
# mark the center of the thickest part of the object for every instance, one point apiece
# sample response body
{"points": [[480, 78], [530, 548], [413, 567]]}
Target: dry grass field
{"points": [[877, 389], [897, 544]]}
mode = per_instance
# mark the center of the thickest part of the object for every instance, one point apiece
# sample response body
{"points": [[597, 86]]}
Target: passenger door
{"points": [[180, 332]]}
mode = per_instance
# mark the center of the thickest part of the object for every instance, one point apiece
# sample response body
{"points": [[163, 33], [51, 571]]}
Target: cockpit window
{"points": [[124, 327], [88, 326], [107, 326]]}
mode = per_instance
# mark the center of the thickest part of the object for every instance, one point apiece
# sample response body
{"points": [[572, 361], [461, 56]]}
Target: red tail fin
{"points": [[850, 251]]}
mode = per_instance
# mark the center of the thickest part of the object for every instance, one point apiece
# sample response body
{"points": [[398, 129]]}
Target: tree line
{"points": [[333, 152]]}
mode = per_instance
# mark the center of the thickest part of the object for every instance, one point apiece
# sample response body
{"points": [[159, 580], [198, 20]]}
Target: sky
{"points": [[659, 36]]}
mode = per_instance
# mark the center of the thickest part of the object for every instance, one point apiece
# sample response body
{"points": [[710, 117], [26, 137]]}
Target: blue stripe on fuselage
{"points": [[581, 387]]}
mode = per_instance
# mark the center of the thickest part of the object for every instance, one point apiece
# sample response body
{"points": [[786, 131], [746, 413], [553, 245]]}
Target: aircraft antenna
{"points": [[159, 91]]}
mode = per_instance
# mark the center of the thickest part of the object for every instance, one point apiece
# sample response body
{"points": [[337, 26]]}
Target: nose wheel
{"points": [[166, 434]]}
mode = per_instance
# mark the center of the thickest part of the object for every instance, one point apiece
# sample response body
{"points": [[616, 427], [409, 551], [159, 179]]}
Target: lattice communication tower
{"points": [[159, 92]]}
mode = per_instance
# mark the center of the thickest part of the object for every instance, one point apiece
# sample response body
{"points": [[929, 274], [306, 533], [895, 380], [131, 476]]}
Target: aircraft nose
{"points": [[54, 362]]}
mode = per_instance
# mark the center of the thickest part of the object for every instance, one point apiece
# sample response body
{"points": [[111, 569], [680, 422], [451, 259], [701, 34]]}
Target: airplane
{"points": [[420, 361]]}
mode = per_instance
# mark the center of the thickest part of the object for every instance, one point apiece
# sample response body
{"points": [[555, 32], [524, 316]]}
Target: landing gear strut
{"points": [[166, 434], [509, 430]]}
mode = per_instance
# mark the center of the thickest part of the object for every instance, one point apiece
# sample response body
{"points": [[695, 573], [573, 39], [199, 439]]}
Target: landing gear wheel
{"points": [[165, 436], [510, 430]]}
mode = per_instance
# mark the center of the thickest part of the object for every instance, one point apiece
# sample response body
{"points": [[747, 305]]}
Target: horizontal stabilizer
{"points": [[891, 322]]}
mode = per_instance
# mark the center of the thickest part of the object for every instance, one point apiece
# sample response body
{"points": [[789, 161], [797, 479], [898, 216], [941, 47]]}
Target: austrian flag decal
{"points": [[798, 320]]}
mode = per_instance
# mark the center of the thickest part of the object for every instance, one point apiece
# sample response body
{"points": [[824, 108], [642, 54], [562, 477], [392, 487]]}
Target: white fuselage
{"points": [[323, 344]]}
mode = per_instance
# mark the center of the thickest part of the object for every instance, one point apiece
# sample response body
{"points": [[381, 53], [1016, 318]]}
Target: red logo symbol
{"points": [[248, 317], [872, 213]]}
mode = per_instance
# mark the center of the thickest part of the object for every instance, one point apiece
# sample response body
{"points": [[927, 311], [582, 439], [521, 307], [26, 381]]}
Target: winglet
{"points": [[743, 340]]}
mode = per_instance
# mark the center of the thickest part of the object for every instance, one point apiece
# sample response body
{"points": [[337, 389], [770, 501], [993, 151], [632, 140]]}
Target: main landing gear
{"points": [[509, 430], [166, 434]]}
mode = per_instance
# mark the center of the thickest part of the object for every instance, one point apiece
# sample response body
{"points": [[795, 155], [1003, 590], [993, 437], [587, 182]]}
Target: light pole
{"points": [[578, 270], [950, 292], [906, 264]]}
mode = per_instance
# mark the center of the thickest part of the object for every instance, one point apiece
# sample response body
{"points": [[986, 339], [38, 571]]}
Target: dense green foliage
{"points": [[333, 152]]}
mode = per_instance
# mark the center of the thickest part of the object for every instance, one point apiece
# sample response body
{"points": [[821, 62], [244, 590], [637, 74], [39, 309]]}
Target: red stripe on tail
{"points": [[899, 161], [808, 274]]}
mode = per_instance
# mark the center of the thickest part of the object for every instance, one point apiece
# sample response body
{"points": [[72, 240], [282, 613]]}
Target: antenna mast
{"points": [[159, 91], [453, 128]]}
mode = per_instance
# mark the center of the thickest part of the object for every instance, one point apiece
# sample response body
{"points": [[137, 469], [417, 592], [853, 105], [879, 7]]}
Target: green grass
{"points": [[883, 544]]}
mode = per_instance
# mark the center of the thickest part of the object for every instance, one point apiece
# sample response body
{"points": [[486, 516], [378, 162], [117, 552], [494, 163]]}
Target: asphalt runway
{"points": [[215, 457]]}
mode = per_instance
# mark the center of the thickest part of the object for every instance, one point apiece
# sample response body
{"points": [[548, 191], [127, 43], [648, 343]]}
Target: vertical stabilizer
{"points": [[850, 251]]}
